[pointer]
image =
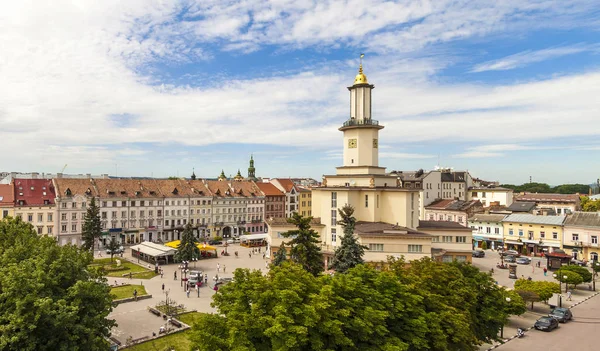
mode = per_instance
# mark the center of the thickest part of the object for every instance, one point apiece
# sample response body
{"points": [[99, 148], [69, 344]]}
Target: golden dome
{"points": [[360, 78]]}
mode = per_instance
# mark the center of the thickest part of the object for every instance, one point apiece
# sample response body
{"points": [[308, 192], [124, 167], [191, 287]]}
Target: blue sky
{"points": [[506, 90]]}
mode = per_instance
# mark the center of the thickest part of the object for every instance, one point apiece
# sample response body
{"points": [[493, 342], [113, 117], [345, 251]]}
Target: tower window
{"points": [[366, 200]]}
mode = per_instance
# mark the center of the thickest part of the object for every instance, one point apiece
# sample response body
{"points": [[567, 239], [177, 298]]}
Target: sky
{"points": [[507, 90]]}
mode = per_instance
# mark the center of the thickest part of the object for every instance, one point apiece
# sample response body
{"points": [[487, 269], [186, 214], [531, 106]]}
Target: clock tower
{"points": [[361, 132]]}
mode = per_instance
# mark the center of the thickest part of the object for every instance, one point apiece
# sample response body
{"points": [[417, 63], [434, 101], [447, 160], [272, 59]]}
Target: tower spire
{"points": [[360, 78], [251, 169]]}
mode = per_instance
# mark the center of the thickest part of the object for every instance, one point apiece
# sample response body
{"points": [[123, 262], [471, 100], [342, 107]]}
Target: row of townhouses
{"points": [[135, 210]]}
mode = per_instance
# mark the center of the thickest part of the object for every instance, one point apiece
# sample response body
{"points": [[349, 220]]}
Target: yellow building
{"points": [[377, 198], [304, 201], [533, 233]]}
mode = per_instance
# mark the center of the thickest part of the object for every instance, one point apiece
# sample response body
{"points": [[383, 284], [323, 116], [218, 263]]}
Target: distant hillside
{"points": [[545, 188]]}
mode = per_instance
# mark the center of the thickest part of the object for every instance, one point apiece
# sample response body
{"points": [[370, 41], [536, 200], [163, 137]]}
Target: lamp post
{"points": [[559, 282], [502, 330], [566, 285], [595, 269], [184, 269]]}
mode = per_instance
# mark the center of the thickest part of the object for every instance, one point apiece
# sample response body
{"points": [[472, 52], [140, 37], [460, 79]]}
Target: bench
{"points": [[155, 311], [176, 323]]}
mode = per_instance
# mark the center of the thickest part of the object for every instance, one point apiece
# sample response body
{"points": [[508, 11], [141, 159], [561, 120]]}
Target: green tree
{"points": [[92, 227], [49, 300], [542, 288], [188, 246], [304, 246], [112, 246], [210, 333], [571, 189], [349, 254], [588, 205], [516, 305], [484, 245], [528, 296], [585, 273], [572, 277], [280, 255]]}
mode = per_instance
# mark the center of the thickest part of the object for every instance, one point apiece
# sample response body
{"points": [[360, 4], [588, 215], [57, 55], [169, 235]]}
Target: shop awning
{"points": [[153, 249], [249, 237], [201, 246]]}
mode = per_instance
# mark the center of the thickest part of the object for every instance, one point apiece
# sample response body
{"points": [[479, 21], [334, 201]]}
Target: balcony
{"points": [[241, 222], [362, 122]]}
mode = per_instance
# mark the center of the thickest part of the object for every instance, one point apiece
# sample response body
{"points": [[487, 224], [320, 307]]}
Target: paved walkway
{"points": [[134, 319]]}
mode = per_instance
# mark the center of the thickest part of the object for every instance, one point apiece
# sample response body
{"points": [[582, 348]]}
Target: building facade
{"points": [[290, 190], [561, 204], [533, 234], [274, 200], [457, 211], [35, 204], [7, 200], [581, 234], [450, 241], [487, 228], [491, 195], [72, 199], [304, 201]]}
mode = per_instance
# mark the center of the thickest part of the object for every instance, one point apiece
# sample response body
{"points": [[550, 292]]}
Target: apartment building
{"points": [[72, 199], [200, 208], [581, 233], [561, 204], [450, 241], [491, 195], [452, 210], [290, 190], [487, 228], [274, 200], [304, 201], [534, 233], [35, 204]]}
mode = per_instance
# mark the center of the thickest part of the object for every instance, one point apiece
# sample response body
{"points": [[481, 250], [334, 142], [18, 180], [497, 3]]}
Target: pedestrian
{"points": [[218, 267], [135, 294], [224, 267], [187, 292], [161, 274], [259, 250], [163, 286], [569, 296], [545, 271], [205, 278], [263, 255], [249, 254], [175, 275], [198, 289], [266, 264]]}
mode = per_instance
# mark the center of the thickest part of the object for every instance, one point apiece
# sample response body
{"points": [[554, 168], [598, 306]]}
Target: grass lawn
{"points": [[127, 267], [178, 342], [123, 292], [189, 318]]}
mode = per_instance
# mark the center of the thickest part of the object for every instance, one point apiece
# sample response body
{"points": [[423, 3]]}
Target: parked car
{"points": [[194, 277], [510, 259], [478, 253], [510, 253], [546, 323], [578, 262], [117, 251], [215, 242], [562, 314], [523, 260]]}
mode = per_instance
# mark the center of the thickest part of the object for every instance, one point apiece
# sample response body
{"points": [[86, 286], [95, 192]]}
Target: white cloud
{"points": [[404, 155], [527, 57]]}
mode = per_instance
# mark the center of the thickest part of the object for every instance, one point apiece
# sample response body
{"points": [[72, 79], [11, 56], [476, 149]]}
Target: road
{"points": [[580, 334]]}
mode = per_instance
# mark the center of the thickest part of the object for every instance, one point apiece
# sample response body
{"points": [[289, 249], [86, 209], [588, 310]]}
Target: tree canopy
{"points": [[49, 300], [280, 256], [584, 272], [542, 289], [588, 205], [92, 227], [304, 246], [572, 277], [188, 246], [545, 188], [112, 246], [349, 254], [416, 307]]}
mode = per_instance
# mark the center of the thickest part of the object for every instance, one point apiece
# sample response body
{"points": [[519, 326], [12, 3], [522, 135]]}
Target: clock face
{"points": [[375, 143], [351, 143]]}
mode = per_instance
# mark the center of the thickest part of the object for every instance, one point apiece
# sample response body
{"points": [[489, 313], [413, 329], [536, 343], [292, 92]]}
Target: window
{"points": [[447, 259], [496, 230], [575, 237], [431, 217], [414, 248], [63, 216], [114, 214], [594, 239], [114, 204], [132, 214], [460, 219], [103, 215], [483, 195], [435, 239], [83, 204], [104, 204], [40, 217], [159, 213], [446, 239], [29, 218], [150, 213], [333, 217], [530, 235], [74, 216], [142, 203], [366, 200], [554, 235], [49, 230], [63, 228], [510, 231], [333, 235], [375, 247], [334, 200], [39, 230], [542, 235], [74, 227], [461, 239], [142, 214], [488, 230], [520, 232], [123, 203], [461, 258], [74, 205]]}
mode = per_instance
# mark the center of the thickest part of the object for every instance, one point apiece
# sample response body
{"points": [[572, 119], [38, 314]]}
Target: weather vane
{"points": [[361, 57]]}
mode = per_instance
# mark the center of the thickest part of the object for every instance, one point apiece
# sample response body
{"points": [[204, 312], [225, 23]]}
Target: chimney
{"points": [[34, 175], [89, 175], [59, 175]]}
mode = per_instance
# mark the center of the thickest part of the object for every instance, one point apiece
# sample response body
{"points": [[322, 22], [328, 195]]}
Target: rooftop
{"points": [[533, 219], [385, 229], [481, 217], [584, 219], [540, 197], [424, 225], [34, 192], [81, 186], [452, 205], [522, 206], [269, 189], [7, 195]]}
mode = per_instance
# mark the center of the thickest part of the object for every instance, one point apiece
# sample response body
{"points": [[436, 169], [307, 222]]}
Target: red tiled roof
{"points": [[221, 188], [7, 195], [34, 192], [441, 204], [287, 184], [199, 188], [269, 189], [246, 188], [77, 186]]}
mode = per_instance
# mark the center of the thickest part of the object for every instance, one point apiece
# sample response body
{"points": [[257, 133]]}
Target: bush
{"points": [[484, 245]]}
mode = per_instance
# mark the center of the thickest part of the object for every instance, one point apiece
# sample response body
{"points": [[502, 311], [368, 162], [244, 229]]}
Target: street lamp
{"points": [[184, 269], [502, 330], [595, 269], [566, 285], [559, 282]]}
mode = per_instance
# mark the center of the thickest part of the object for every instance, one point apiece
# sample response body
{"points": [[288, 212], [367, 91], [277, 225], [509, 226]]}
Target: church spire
{"points": [[193, 177], [251, 169], [222, 176]]}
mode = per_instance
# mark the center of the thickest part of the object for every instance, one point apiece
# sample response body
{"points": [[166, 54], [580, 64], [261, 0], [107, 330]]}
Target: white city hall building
{"points": [[377, 198]]}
